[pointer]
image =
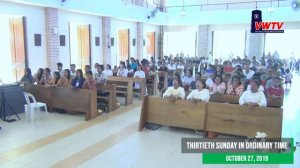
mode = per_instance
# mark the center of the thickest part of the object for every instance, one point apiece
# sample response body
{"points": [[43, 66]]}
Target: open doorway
{"points": [[123, 45], [12, 46], [80, 51]]}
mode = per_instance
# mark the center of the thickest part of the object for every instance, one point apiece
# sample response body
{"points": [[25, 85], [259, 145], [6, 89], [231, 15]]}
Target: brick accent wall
{"points": [[52, 37], [139, 40], [106, 51], [203, 35]]}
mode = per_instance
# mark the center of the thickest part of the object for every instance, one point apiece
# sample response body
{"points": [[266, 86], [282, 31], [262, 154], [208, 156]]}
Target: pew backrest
{"points": [[179, 114]]}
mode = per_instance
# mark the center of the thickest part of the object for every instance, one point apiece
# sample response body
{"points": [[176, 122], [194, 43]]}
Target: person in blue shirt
{"points": [[79, 80]]}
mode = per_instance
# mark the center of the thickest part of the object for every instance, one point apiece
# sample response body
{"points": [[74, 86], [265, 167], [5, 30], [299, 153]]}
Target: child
{"points": [[276, 90], [288, 77]]}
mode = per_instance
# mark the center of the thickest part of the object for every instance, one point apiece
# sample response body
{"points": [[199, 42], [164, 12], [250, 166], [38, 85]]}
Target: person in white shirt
{"points": [[59, 69], [95, 68], [99, 76], [138, 74], [122, 72], [247, 72], [107, 72], [171, 66], [174, 92], [188, 78], [253, 97], [73, 71], [199, 94]]}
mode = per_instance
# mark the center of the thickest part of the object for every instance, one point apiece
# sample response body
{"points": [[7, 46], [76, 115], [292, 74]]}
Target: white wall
{"points": [[35, 24], [66, 17], [117, 24]]}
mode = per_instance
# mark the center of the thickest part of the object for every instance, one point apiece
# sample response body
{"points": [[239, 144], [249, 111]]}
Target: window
{"points": [[180, 42], [229, 44]]}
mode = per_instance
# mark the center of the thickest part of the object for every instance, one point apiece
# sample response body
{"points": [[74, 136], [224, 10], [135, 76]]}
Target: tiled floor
{"points": [[112, 141]]}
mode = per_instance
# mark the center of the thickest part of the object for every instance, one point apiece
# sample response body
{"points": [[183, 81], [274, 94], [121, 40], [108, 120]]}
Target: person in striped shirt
{"points": [[235, 87]]}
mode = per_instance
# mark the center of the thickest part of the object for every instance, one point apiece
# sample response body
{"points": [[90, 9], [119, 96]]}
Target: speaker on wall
{"points": [[133, 42], [62, 40], [97, 41], [144, 42], [112, 41], [37, 39]]}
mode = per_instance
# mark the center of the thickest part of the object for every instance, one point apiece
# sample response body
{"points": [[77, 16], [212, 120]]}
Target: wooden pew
{"points": [[243, 120], [163, 79], [111, 99], [221, 98], [41, 93], [152, 84], [125, 86], [223, 118], [79, 100], [179, 114]]}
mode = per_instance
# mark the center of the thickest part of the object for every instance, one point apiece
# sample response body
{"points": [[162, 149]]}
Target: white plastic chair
{"points": [[30, 108]]}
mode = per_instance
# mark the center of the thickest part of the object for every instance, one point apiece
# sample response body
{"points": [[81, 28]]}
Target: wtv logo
{"points": [[258, 26], [269, 27]]}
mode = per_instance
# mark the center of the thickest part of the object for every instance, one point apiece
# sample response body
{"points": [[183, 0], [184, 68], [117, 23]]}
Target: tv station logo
{"points": [[258, 26]]}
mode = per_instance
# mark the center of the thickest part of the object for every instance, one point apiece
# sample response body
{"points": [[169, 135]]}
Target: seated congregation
{"points": [[256, 84]]}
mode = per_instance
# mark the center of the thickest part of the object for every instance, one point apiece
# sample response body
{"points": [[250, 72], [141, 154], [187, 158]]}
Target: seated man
{"points": [[188, 79], [253, 97], [174, 92], [199, 94], [138, 74]]}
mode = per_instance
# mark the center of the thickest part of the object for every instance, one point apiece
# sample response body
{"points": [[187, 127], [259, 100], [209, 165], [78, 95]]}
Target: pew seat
{"points": [[231, 119]]}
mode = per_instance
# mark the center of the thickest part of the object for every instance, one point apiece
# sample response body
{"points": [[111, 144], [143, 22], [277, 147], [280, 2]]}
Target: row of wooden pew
{"points": [[223, 118], [88, 101], [75, 100]]}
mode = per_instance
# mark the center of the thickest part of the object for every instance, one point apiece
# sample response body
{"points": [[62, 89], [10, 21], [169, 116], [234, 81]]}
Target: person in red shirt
{"points": [[89, 83], [276, 91], [228, 68]]}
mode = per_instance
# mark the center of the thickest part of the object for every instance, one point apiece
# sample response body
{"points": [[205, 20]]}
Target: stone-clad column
{"points": [[203, 40], [106, 27], [139, 40], [52, 37]]}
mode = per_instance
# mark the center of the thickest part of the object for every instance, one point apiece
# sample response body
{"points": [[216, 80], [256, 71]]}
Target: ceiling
{"points": [[226, 4]]}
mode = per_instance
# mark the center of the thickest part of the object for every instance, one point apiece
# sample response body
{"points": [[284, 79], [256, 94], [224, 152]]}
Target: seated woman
{"points": [[199, 94], [27, 78], [253, 97], [218, 86], [90, 82], [174, 92], [38, 77], [54, 80], [78, 81], [65, 80], [188, 79], [276, 91], [235, 88], [219, 70], [122, 72], [46, 77]]}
